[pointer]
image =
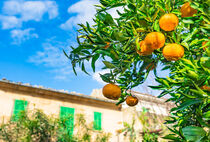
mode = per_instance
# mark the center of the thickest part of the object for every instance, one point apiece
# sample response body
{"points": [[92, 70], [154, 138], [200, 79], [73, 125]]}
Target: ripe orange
{"points": [[145, 50], [131, 101], [111, 91], [154, 40], [187, 10], [168, 22], [151, 66], [173, 52]]}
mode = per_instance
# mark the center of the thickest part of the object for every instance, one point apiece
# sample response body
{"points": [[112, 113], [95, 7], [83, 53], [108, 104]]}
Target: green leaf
{"points": [[195, 30], [163, 81], [185, 45], [83, 68], [156, 87], [188, 63], [165, 68], [199, 89], [105, 78], [65, 53], [101, 16], [166, 84], [104, 2], [206, 115], [198, 93], [156, 26], [114, 53], [109, 65], [137, 44], [131, 7], [187, 95], [109, 20], [74, 70], [171, 137], [163, 93], [192, 74], [188, 21], [94, 59], [121, 100], [186, 104], [193, 133], [205, 61]]}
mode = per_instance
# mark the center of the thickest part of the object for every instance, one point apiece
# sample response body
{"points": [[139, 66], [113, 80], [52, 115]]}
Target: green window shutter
{"points": [[67, 116], [19, 106], [97, 121]]}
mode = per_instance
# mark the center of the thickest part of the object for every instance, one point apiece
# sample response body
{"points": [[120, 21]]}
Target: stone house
{"points": [[15, 97]]}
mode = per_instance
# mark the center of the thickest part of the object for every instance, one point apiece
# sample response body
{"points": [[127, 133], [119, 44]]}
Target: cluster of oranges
{"points": [[156, 40], [112, 91], [153, 41]]}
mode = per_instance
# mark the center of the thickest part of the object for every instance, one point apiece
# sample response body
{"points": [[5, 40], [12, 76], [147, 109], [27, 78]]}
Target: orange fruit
{"points": [[187, 10], [168, 22], [151, 66], [173, 52], [111, 91], [154, 40], [145, 50], [131, 101]]}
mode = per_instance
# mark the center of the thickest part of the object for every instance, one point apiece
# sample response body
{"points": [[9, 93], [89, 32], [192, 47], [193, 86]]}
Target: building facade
{"points": [[15, 97]]}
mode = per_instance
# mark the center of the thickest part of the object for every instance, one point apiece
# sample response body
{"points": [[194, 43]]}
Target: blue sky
{"points": [[32, 36]]}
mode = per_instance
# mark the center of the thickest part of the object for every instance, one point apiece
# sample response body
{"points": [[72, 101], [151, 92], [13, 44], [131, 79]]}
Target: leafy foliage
{"points": [[150, 137], [38, 127], [129, 130], [115, 41]]}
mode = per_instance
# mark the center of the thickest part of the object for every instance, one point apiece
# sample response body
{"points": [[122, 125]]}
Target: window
{"points": [[67, 116], [20, 106], [97, 121]]}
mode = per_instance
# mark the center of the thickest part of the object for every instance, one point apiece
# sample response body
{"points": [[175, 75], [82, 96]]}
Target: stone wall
{"points": [[50, 104]]}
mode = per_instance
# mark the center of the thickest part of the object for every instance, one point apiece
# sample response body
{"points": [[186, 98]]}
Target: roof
{"points": [[141, 96], [37, 89], [149, 98], [96, 95]]}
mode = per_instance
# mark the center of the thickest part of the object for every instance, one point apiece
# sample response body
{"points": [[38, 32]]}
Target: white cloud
{"points": [[20, 36], [52, 9], [34, 10], [15, 12], [11, 7], [52, 57], [9, 22], [85, 11]]}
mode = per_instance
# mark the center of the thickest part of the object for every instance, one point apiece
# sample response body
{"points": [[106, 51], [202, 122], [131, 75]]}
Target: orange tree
{"points": [[173, 33]]}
